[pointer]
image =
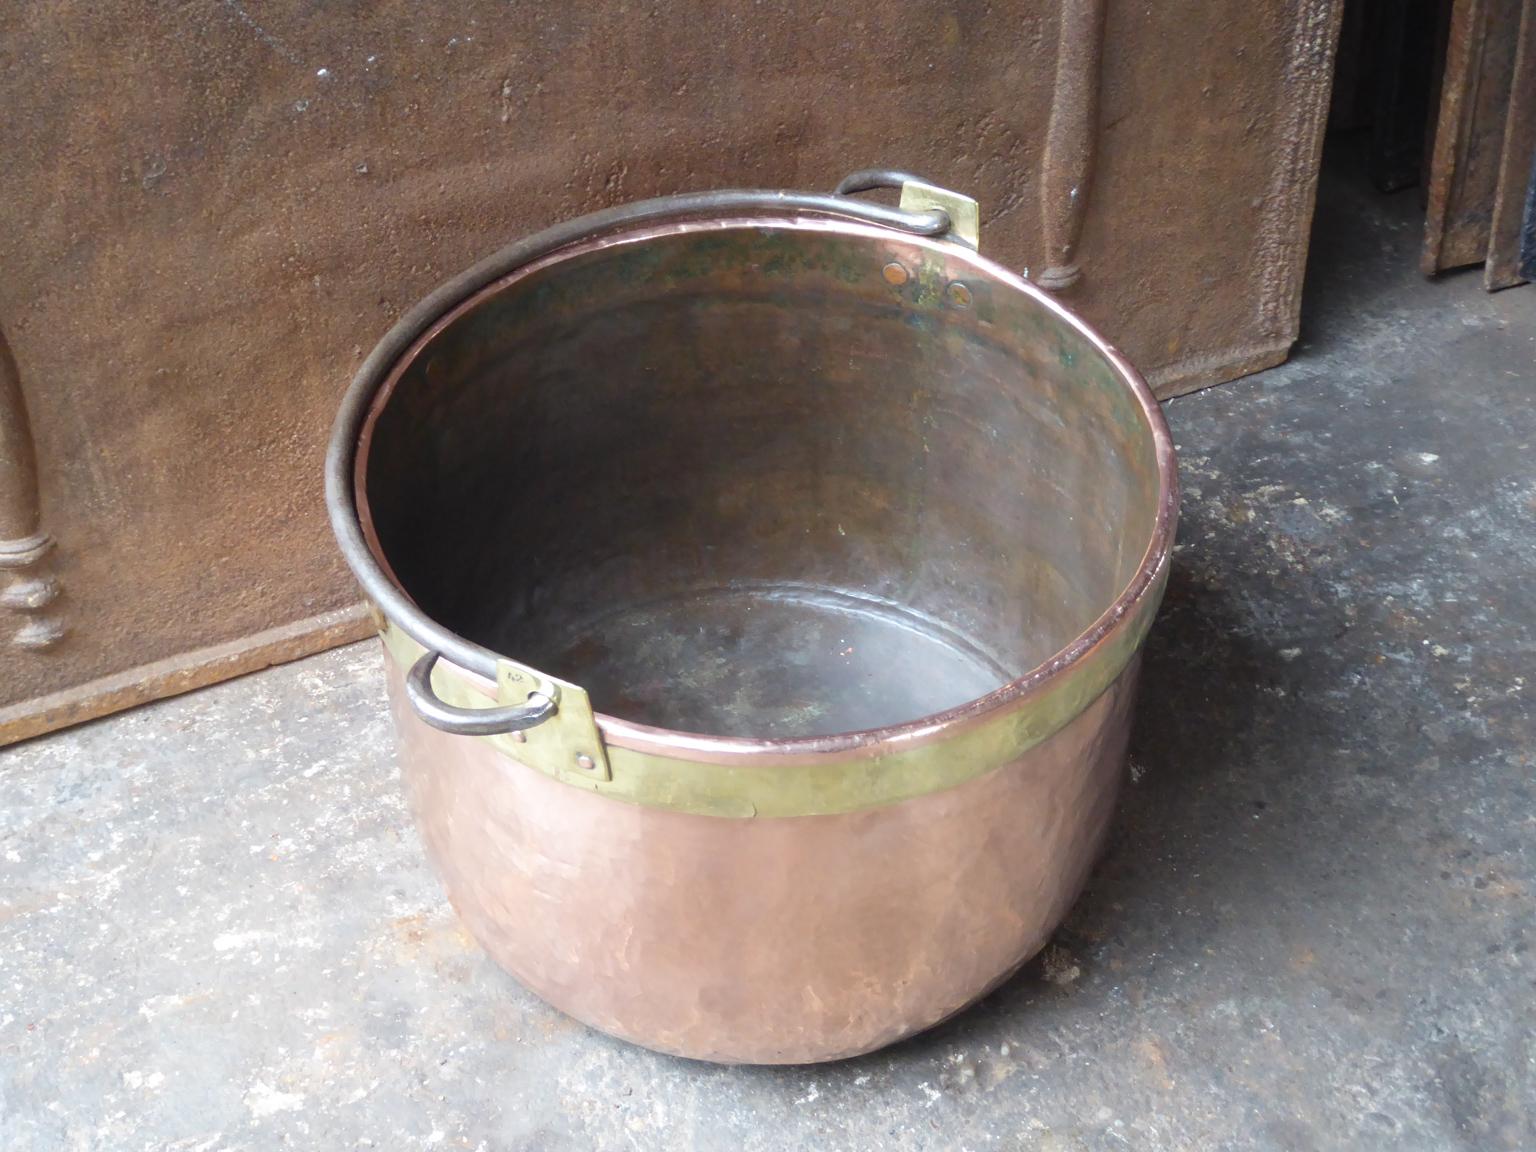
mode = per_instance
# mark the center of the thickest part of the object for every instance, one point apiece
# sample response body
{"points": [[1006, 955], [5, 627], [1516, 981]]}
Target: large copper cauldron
{"points": [[762, 577]]}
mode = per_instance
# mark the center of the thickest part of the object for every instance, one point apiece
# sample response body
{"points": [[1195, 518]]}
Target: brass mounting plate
{"points": [[964, 213], [568, 744]]}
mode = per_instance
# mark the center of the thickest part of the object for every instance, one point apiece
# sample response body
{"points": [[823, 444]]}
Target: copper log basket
{"points": [[762, 577]]}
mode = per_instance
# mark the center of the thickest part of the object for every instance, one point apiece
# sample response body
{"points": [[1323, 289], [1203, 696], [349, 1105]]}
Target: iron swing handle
{"points": [[539, 706], [923, 203]]}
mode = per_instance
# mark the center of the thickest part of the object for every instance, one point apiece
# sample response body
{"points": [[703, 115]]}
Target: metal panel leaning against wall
{"points": [[209, 213]]}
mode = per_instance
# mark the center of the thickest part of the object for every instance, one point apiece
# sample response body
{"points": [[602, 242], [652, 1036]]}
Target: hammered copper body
{"points": [[851, 535], [780, 941]]}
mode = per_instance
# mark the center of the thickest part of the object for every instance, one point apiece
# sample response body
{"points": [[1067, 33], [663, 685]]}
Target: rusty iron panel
{"points": [[1528, 231], [209, 212], [1469, 133], [1516, 164]]}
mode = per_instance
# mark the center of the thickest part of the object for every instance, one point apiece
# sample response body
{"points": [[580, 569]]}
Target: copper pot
{"points": [[762, 577]]}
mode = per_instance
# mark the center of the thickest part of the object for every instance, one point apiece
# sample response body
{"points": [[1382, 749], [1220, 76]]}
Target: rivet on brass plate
{"points": [[585, 762], [894, 274], [959, 295]]}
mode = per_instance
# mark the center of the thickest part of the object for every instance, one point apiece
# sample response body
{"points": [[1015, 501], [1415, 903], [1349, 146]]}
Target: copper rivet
{"points": [[894, 273], [959, 295], [584, 762], [520, 737]]}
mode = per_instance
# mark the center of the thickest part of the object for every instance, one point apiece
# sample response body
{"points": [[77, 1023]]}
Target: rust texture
{"points": [[1070, 140], [208, 213], [1469, 132], [183, 672], [1517, 162]]}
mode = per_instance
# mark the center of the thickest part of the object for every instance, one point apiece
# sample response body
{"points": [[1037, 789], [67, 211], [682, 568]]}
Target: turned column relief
{"points": [[28, 587]]}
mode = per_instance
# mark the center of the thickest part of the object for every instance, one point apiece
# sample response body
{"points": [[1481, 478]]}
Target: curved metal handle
{"points": [[868, 179], [922, 202], [471, 721]]}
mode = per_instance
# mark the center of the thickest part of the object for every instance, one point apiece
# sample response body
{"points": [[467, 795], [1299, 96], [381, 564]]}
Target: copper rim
{"points": [[349, 460]]}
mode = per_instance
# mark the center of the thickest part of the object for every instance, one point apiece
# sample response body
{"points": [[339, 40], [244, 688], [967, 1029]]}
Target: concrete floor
{"points": [[1312, 928]]}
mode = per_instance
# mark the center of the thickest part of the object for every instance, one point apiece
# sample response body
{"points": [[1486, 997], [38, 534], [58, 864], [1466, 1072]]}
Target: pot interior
{"points": [[762, 481]]}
